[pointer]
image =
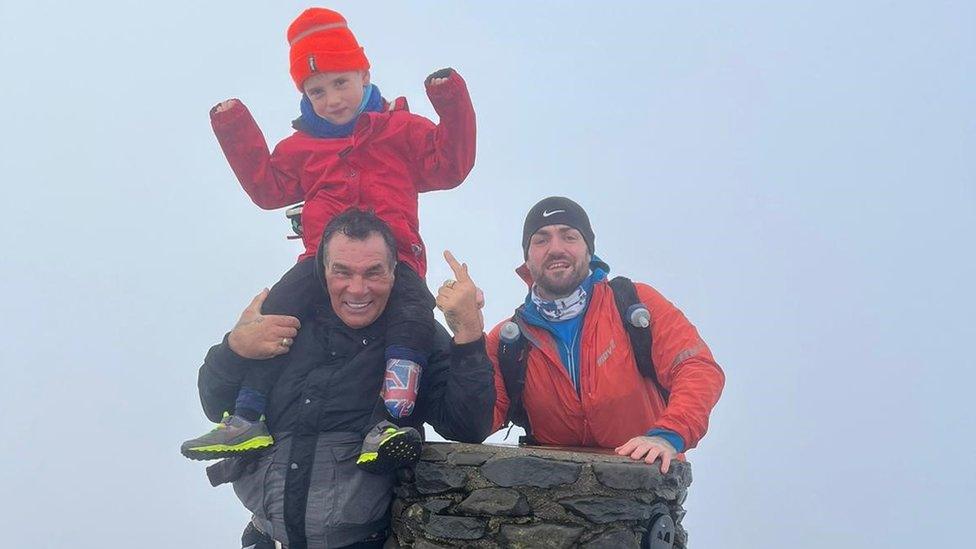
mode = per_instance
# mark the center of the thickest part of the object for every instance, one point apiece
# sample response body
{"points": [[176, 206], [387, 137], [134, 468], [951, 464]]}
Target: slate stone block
{"points": [[530, 471], [603, 510], [449, 527], [641, 476], [470, 458], [433, 451], [616, 538], [495, 501], [432, 478], [541, 536], [627, 476], [437, 505]]}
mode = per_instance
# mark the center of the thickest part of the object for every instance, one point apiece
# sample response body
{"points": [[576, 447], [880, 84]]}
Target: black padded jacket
{"points": [[331, 383]]}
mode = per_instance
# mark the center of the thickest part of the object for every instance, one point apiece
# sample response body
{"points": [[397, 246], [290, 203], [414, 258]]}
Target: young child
{"points": [[351, 148]]}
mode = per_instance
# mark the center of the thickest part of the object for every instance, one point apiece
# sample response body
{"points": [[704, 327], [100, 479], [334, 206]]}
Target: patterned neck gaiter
{"points": [[563, 308]]}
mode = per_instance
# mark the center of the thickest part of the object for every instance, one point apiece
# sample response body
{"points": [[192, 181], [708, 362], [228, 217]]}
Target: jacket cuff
{"points": [[448, 90], [670, 436], [467, 349], [228, 117], [228, 365], [401, 352]]}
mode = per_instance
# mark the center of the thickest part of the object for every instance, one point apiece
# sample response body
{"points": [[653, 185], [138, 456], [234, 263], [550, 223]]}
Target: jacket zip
{"points": [[527, 317]]}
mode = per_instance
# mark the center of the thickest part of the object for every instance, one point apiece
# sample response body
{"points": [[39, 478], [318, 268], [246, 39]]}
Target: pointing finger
{"points": [[459, 272]]}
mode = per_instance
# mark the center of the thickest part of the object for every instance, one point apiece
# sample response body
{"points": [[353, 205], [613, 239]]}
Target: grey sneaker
{"points": [[388, 447], [233, 436]]}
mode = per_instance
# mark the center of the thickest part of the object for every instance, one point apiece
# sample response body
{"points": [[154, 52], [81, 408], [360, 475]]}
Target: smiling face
{"points": [[336, 96], [359, 276], [558, 260]]}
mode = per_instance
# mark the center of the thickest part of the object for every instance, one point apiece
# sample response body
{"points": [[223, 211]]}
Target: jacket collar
{"points": [[365, 121]]}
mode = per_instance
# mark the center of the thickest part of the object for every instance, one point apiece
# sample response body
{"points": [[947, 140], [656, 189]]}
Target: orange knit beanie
{"points": [[321, 41]]}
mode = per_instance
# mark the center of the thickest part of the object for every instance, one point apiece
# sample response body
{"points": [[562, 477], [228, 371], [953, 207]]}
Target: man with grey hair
{"points": [[306, 491]]}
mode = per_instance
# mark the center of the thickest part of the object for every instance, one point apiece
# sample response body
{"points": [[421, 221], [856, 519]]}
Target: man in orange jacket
{"points": [[582, 384]]}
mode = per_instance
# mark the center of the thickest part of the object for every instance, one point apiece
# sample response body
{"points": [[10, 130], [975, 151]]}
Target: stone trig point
{"points": [[476, 495]]}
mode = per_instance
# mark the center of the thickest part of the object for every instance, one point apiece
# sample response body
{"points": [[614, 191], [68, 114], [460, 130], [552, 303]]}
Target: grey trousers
{"points": [[345, 503]]}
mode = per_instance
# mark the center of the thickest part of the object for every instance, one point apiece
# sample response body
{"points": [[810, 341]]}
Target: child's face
{"points": [[336, 96]]}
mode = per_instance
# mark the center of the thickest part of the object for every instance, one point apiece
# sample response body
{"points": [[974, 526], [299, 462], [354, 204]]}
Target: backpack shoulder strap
{"points": [[625, 296], [512, 356]]}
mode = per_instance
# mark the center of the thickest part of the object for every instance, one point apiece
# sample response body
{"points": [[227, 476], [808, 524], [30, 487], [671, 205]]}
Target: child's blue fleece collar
{"points": [[313, 124]]}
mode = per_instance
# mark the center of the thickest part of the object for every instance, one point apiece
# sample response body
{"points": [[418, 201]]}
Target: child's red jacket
{"points": [[390, 157]]}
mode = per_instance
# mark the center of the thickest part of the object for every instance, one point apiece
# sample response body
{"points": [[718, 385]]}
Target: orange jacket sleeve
{"points": [[685, 368]]}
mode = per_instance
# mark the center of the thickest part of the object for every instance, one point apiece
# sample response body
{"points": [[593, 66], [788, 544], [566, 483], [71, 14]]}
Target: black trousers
{"points": [[409, 312]]}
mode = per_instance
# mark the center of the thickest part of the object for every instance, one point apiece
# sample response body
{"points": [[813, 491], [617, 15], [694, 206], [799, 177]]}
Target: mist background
{"points": [[797, 177]]}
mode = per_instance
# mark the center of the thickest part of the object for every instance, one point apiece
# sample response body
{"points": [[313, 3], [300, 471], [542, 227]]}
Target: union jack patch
{"points": [[400, 387]]}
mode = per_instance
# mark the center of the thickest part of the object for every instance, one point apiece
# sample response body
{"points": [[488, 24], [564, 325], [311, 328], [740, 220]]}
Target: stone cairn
{"points": [[474, 495]]}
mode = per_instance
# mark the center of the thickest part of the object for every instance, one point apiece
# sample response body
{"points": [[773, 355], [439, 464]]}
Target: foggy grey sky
{"points": [[799, 178]]}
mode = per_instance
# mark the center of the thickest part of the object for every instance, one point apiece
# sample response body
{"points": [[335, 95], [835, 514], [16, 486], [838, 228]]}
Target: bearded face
{"points": [[558, 260]]}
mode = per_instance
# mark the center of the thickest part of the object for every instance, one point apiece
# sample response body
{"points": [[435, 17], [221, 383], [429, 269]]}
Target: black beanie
{"points": [[556, 210]]}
